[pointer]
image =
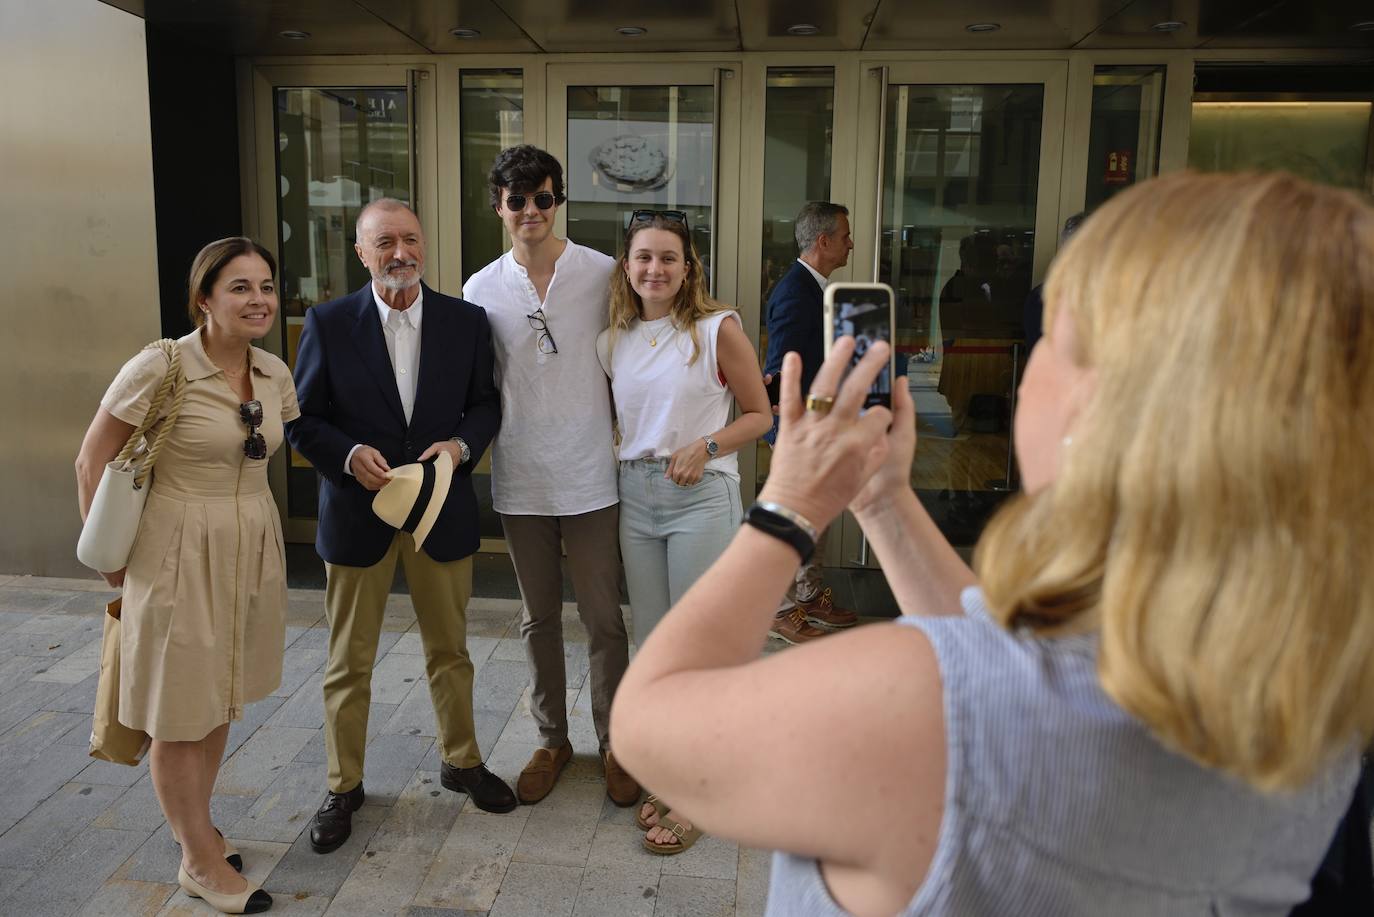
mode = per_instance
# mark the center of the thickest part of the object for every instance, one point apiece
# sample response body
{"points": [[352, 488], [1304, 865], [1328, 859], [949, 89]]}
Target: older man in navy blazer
{"points": [[795, 318], [392, 374]]}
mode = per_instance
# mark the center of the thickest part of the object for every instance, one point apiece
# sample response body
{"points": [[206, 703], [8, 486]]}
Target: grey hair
{"points": [[381, 203], [817, 218], [1071, 225]]}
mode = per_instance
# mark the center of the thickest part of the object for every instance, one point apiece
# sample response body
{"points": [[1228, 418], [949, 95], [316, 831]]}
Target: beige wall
{"points": [[78, 257]]}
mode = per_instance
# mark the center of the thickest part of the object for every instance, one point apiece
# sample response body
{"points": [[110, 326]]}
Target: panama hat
{"points": [[411, 499]]}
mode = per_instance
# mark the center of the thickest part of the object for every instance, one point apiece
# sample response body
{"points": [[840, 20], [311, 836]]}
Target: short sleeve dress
{"points": [[204, 619]]}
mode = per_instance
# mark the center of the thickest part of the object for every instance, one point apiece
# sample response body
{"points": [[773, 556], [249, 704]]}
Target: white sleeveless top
{"points": [[1058, 803], [661, 402]]}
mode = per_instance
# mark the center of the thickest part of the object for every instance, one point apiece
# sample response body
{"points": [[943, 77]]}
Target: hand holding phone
{"points": [[867, 312]]}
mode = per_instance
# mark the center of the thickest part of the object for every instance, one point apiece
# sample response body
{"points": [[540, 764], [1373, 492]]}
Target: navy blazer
{"points": [[796, 321], [347, 391]]}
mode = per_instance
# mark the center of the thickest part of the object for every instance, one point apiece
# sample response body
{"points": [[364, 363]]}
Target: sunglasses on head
{"points": [[543, 200], [255, 446], [647, 216]]}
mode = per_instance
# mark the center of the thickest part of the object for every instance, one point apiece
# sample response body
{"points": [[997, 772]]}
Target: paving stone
{"points": [[259, 857], [469, 867], [136, 809], [300, 660], [12, 619], [382, 883], [536, 888], [414, 911], [16, 598], [11, 878], [155, 860], [391, 762], [75, 667], [522, 728], [621, 847], [73, 874], [125, 898], [709, 858], [305, 708], [303, 872], [21, 701], [420, 819], [410, 644], [91, 582], [415, 714], [497, 688], [610, 892], [16, 670], [394, 676], [254, 766], [305, 612], [77, 698], [53, 823], [690, 896], [112, 774], [751, 882], [44, 773], [308, 906], [50, 647], [377, 717], [46, 727], [555, 838], [284, 809], [254, 715]]}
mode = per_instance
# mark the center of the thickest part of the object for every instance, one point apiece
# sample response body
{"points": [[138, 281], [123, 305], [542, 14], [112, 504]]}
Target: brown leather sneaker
{"points": [[793, 627], [541, 773], [822, 610], [620, 786]]}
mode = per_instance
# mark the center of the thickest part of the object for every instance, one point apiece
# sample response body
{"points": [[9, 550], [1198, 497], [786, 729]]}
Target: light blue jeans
{"points": [[670, 535]]}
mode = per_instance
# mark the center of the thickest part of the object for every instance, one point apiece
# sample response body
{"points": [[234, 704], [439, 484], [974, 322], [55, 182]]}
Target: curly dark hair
{"points": [[523, 169]]}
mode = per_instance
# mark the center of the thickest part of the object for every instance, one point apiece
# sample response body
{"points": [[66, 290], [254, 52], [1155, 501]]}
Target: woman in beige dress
{"points": [[205, 589]]}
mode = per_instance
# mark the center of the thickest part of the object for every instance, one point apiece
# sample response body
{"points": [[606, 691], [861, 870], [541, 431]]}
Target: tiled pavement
{"points": [[79, 836]]}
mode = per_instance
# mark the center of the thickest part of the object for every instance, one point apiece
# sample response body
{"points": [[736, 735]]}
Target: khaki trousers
{"points": [[355, 600], [536, 549]]}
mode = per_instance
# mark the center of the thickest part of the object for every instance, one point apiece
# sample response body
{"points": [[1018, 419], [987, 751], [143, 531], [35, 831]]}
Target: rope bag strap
{"points": [[172, 384]]}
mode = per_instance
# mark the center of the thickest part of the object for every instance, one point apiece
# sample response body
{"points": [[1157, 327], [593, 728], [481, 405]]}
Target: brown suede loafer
{"points": [[620, 786], [541, 773]]}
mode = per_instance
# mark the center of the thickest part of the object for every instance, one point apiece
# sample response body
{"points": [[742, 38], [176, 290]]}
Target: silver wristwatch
{"points": [[464, 453], [712, 447]]}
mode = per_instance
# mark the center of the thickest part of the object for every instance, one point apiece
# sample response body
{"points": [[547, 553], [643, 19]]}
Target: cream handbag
{"points": [[108, 535]]}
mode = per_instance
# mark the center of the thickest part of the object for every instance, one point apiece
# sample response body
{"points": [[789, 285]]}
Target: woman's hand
{"points": [[822, 460], [687, 464], [115, 579], [895, 471]]}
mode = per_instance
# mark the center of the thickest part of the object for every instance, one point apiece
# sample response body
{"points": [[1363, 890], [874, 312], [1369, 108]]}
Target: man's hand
{"points": [[369, 467], [448, 446]]}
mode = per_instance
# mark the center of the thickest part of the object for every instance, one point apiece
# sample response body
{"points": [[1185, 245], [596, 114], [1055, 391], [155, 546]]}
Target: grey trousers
{"points": [[536, 548]]}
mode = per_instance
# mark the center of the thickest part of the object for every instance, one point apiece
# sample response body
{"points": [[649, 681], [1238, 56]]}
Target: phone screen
{"points": [[866, 315]]}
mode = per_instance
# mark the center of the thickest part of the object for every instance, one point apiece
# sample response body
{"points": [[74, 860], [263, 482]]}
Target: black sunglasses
{"points": [[540, 323], [672, 216], [543, 200], [255, 446]]}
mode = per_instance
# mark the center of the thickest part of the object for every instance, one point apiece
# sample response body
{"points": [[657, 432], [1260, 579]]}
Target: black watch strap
{"points": [[783, 525]]}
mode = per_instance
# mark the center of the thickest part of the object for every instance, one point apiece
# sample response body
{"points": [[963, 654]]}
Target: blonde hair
{"points": [[1213, 517], [693, 303]]}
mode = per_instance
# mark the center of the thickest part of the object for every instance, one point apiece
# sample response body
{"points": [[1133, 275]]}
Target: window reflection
{"points": [[491, 118], [1324, 141], [1123, 136]]}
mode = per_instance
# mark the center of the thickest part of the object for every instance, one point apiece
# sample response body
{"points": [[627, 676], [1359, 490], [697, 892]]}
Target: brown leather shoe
{"points": [[822, 610], [541, 773], [794, 628], [620, 786]]}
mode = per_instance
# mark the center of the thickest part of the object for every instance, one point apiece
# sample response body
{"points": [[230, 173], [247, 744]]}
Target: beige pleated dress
{"points": [[204, 619]]}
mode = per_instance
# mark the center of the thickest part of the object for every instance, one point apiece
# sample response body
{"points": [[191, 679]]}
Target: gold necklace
{"points": [[653, 339]]}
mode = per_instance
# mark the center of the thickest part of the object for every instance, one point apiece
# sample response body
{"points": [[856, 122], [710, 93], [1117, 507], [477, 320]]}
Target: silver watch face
{"points": [[712, 447]]}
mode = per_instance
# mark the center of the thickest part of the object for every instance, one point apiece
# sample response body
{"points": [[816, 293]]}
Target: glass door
{"points": [[963, 229], [631, 136]]}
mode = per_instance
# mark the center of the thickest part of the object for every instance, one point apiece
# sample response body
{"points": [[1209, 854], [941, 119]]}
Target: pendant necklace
{"points": [[653, 338]]}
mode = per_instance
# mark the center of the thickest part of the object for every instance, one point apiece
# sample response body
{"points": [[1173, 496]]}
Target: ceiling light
{"points": [[982, 27], [294, 35], [1169, 25], [465, 33], [803, 28], [1363, 26], [630, 31]]}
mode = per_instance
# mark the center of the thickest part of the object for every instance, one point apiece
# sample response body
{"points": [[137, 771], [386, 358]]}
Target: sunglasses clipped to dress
{"points": [[255, 446], [544, 200]]}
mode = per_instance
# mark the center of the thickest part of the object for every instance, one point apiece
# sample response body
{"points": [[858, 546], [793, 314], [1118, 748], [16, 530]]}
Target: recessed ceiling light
{"points": [[803, 28], [630, 31], [982, 27], [1367, 26], [294, 35], [1169, 25], [465, 33]]}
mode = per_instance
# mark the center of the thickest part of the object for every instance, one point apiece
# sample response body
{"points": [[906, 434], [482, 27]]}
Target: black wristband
{"points": [[781, 528]]}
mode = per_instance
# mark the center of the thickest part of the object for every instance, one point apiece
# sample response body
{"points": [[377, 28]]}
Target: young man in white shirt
{"points": [[553, 470]]}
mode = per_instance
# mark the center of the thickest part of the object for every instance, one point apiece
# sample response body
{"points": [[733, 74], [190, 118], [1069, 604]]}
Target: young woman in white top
{"points": [[677, 360]]}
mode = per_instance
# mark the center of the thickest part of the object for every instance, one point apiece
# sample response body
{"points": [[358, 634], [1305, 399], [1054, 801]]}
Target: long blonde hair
{"points": [[1214, 515], [693, 303]]}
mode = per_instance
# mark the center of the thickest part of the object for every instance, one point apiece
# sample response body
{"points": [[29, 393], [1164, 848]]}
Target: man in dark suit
{"points": [[392, 374], [796, 322]]}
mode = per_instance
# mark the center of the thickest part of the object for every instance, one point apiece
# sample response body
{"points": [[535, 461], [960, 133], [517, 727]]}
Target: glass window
{"points": [[799, 117], [491, 118], [1325, 141], [337, 149], [961, 168], [633, 147], [1123, 136]]}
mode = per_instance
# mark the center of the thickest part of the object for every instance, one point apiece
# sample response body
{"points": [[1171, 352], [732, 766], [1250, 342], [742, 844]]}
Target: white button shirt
{"points": [[401, 328]]}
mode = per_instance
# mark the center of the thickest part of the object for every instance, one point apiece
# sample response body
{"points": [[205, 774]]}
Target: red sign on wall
{"points": [[1118, 167]]}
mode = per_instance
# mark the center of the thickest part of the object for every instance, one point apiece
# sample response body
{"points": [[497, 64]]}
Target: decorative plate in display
{"points": [[631, 163]]}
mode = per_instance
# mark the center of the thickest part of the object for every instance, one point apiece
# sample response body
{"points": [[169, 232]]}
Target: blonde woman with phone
{"points": [[1150, 693]]}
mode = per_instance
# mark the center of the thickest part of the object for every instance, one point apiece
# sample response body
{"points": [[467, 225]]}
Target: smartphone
{"points": [[866, 312], [774, 388]]}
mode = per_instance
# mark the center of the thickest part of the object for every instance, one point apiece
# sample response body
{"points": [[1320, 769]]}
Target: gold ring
{"points": [[821, 404]]}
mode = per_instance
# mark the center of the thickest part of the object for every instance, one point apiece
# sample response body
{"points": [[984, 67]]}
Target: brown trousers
{"points": [[355, 600], [536, 549]]}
